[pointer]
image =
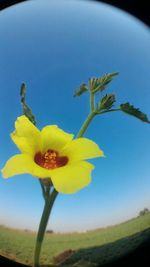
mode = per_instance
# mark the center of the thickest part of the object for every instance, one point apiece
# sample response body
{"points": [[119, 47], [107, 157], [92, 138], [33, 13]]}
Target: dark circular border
{"points": [[139, 9]]}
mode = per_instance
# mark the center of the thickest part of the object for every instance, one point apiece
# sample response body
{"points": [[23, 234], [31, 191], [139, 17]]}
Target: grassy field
{"points": [[96, 247]]}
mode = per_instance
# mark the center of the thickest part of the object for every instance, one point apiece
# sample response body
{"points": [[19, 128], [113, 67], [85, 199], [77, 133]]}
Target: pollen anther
{"points": [[50, 159]]}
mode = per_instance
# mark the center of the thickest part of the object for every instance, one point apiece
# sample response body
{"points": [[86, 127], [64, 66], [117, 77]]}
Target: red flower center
{"points": [[50, 159]]}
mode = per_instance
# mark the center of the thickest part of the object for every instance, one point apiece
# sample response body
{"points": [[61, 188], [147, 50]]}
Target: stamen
{"points": [[50, 159]]}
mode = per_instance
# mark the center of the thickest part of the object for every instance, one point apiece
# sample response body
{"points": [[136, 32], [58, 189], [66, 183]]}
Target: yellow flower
{"points": [[52, 153]]}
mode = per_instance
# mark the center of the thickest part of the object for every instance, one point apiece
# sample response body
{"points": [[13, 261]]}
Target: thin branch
{"points": [[110, 110]]}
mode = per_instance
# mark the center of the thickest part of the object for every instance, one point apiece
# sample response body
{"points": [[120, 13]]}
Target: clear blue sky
{"points": [[54, 46]]}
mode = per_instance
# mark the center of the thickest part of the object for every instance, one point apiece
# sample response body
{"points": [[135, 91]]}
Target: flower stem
{"points": [[42, 187], [85, 124], [49, 201]]}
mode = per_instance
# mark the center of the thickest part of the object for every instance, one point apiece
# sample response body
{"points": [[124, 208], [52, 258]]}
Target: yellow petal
{"points": [[26, 136], [54, 138], [17, 164], [72, 178], [22, 163], [82, 148]]}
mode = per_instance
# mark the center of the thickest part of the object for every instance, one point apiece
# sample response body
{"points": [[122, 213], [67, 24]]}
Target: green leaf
{"points": [[26, 110], [107, 102], [99, 84], [131, 110], [82, 89]]}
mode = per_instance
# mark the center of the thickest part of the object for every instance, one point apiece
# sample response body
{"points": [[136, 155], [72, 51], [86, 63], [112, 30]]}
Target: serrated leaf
{"points": [[82, 89], [26, 110], [130, 109]]}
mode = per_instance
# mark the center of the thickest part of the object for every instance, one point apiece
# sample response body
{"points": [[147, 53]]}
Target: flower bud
{"points": [[107, 102]]}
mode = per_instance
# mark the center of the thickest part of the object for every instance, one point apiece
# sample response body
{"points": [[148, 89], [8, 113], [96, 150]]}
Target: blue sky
{"points": [[54, 46]]}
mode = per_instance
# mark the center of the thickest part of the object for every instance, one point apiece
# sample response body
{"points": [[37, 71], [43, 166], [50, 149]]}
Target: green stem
{"points": [[49, 201], [110, 110], [42, 187], [85, 124], [90, 117], [92, 104]]}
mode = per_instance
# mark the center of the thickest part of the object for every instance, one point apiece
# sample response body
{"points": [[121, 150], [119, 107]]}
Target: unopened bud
{"points": [[107, 102]]}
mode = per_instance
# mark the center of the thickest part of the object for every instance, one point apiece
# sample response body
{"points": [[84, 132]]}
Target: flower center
{"points": [[50, 159]]}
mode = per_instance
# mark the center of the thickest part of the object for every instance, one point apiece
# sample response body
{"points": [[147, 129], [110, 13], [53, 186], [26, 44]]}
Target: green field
{"points": [[96, 247]]}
